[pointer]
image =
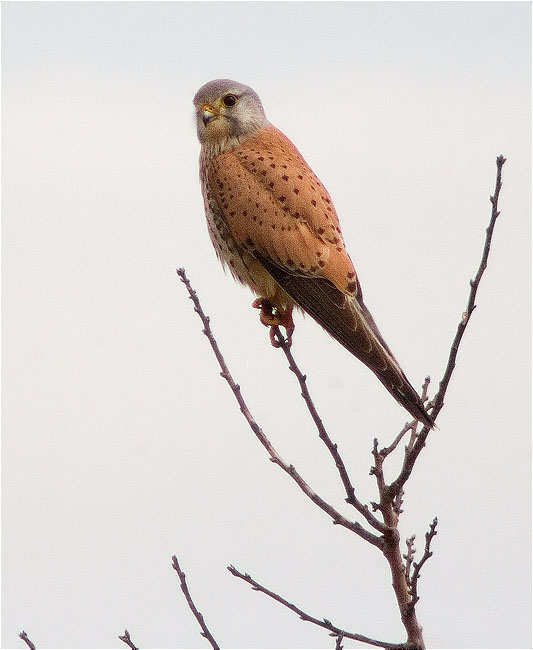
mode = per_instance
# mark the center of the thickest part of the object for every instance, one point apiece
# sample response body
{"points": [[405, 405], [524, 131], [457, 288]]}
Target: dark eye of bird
{"points": [[229, 100]]}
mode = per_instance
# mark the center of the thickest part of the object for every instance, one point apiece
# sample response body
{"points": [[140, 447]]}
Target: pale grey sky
{"points": [[121, 444]]}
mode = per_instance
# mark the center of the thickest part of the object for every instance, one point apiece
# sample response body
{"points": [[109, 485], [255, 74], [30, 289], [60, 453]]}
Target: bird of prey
{"points": [[273, 224]]}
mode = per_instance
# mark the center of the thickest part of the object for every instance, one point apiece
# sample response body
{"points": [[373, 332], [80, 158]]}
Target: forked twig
{"points": [[325, 623], [408, 426], [126, 638], [183, 584]]}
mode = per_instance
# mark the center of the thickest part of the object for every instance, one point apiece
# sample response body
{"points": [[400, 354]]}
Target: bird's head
{"points": [[227, 111]]}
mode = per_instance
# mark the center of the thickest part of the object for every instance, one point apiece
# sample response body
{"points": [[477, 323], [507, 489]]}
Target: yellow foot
{"points": [[274, 317]]}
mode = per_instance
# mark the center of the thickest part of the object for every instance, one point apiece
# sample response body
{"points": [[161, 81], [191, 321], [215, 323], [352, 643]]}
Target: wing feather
{"points": [[280, 209]]}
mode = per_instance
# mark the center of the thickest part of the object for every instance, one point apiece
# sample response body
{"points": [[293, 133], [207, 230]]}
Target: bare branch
{"points": [[27, 641], [438, 400], [126, 638], [183, 584], [336, 516], [328, 625], [390, 507], [324, 436]]}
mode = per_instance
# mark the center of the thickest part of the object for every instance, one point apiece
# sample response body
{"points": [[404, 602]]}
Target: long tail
{"points": [[353, 326], [369, 346]]}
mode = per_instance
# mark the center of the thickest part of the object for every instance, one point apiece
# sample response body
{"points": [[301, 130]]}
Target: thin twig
{"points": [[324, 436], [438, 400], [409, 426], [27, 641], [183, 584], [126, 638], [425, 557], [325, 623], [336, 516], [377, 471]]}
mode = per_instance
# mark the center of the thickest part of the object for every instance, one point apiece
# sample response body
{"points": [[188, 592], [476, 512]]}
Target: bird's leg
{"points": [[272, 316]]}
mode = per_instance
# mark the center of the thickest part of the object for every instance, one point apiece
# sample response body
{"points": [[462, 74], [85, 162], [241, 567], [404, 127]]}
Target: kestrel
{"points": [[273, 224]]}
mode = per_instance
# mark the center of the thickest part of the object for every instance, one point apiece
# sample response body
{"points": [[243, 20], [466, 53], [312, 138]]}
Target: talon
{"points": [[274, 317], [267, 315]]}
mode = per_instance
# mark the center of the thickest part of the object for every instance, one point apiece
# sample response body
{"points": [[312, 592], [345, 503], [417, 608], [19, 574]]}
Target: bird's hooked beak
{"points": [[208, 113]]}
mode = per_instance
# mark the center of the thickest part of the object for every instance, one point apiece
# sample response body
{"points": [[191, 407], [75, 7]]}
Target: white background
{"points": [[121, 444]]}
